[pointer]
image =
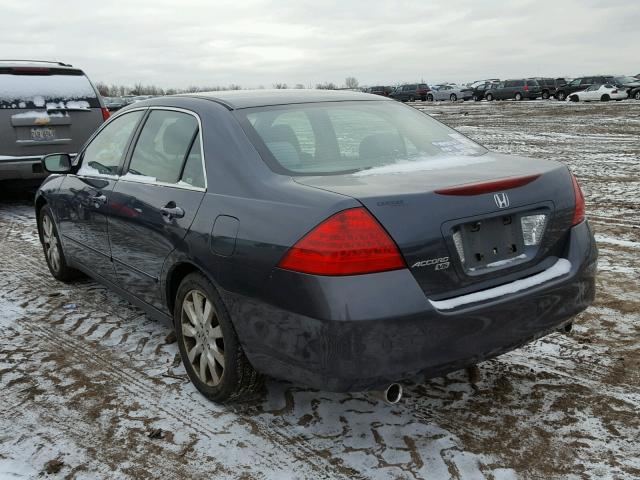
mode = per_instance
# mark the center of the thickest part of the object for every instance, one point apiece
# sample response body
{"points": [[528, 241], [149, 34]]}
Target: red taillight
{"points": [[614, 91], [526, 88], [487, 187], [105, 114], [351, 242], [29, 70], [578, 214]]}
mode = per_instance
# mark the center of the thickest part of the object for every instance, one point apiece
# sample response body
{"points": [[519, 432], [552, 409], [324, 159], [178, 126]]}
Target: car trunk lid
{"points": [[453, 241]]}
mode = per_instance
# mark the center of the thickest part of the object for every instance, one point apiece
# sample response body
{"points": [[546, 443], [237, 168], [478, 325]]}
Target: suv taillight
{"points": [[105, 114], [578, 214], [526, 88], [351, 242]]}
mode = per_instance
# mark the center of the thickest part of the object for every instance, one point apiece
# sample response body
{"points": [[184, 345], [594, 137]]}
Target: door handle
{"points": [[170, 210]]}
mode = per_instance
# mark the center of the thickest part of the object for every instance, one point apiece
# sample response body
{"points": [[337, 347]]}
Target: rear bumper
{"points": [[21, 168], [363, 332]]}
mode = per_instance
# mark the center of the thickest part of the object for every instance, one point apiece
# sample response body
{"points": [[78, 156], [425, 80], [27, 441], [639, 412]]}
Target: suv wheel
{"points": [[560, 95], [637, 95], [518, 96], [430, 98], [453, 97], [52, 247], [475, 98], [423, 98], [489, 97], [545, 95], [412, 98], [209, 346]]}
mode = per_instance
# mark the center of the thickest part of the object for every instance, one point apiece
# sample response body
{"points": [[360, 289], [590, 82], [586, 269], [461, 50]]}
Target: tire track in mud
{"points": [[72, 332]]}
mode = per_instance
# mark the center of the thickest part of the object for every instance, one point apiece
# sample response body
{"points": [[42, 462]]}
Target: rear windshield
{"points": [[343, 137], [53, 91]]}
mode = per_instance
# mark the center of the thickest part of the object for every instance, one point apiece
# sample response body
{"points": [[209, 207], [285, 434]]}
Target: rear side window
{"points": [[193, 174], [53, 91], [532, 83], [163, 146], [104, 154]]}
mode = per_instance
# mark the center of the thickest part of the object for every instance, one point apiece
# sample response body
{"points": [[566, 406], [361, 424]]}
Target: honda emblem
{"points": [[502, 201]]}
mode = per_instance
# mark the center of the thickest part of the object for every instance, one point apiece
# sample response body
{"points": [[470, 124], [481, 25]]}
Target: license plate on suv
{"points": [[40, 134]]}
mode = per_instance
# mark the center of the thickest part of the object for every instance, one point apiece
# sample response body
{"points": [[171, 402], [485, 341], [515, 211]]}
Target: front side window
{"points": [[104, 154], [162, 147], [575, 83], [349, 137]]}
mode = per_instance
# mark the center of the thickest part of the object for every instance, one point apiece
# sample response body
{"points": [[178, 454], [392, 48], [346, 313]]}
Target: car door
{"points": [[85, 195], [441, 93], [156, 200]]}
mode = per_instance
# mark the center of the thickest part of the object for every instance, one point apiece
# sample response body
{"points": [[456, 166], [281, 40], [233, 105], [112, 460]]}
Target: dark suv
{"points": [[581, 83], [411, 92], [517, 89], [45, 107], [379, 90], [548, 86]]}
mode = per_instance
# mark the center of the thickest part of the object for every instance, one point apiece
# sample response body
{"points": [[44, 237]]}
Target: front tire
{"points": [[430, 98], [412, 98], [637, 95], [453, 97], [489, 97], [53, 252], [210, 350], [560, 95], [574, 98], [475, 98], [545, 95], [605, 98]]}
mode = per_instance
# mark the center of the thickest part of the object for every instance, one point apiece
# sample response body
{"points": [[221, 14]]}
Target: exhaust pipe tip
{"points": [[392, 394]]}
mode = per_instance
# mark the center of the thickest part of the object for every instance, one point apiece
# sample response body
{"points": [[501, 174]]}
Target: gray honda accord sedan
{"points": [[335, 239]]}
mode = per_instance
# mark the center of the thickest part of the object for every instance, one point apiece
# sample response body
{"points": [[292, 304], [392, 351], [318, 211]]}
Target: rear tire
{"points": [[518, 96], [637, 95], [605, 98], [545, 95], [475, 98], [53, 252], [560, 95], [453, 97], [574, 98], [489, 97], [430, 98], [210, 350], [412, 98]]}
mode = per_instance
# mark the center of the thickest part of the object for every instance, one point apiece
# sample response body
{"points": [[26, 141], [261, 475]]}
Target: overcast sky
{"points": [[259, 42]]}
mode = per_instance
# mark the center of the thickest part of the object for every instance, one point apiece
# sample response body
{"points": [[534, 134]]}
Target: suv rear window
{"points": [[344, 137], [54, 90], [532, 83]]}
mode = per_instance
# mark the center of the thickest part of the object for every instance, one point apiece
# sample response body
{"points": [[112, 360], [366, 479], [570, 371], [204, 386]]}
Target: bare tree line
{"points": [[115, 90]]}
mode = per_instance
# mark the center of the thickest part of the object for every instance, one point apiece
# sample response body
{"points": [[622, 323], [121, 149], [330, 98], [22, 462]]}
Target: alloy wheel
{"points": [[202, 337], [50, 242]]}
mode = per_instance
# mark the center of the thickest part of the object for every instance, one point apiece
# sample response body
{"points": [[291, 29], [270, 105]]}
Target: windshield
{"points": [[57, 91], [626, 80], [343, 137]]}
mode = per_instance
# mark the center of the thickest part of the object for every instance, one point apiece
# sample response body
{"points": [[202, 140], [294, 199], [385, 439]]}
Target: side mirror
{"points": [[57, 163]]}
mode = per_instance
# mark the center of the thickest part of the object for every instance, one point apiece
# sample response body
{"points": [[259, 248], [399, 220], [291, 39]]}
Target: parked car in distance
{"points": [[379, 90], [518, 89], [634, 93], [581, 83], [548, 87], [114, 103], [45, 107], [626, 83], [478, 89], [336, 239], [598, 93], [410, 92], [450, 92]]}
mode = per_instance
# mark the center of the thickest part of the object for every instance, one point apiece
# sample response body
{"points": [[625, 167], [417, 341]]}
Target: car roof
{"points": [[34, 63], [236, 99]]}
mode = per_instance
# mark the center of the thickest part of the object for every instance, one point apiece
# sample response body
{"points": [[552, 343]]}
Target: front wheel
{"points": [[412, 98], [209, 347], [605, 98], [561, 95], [489, 97], [545, 95], [453, 97], [475, 98], [574, 98], [430, 98], [637, 95], [53, 253]]}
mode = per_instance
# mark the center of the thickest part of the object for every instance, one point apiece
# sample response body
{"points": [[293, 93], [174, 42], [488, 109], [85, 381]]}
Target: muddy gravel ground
{"points": [[91, 388]]}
